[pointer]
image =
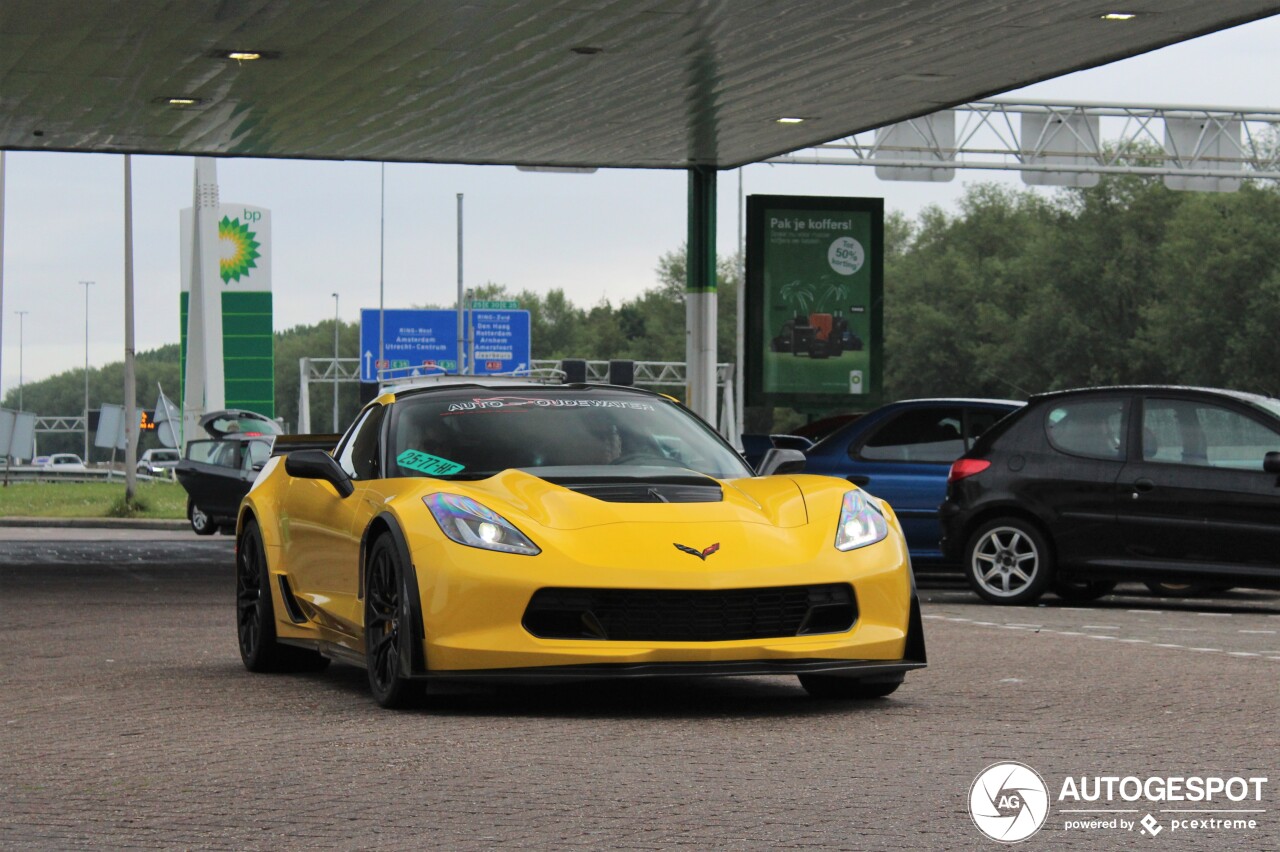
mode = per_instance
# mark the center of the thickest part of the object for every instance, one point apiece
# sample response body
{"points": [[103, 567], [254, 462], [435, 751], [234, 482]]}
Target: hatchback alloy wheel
{"points": [[1008, 562]]}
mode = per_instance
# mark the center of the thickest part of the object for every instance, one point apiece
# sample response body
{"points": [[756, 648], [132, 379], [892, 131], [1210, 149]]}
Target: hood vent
{"points": [[634, 484], [648, 492]]}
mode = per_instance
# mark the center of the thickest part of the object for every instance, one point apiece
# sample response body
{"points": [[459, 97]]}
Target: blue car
{"points": [[902, 453]]}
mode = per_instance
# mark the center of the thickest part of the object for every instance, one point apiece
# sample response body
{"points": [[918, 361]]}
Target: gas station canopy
{"points": [[627, 83]]}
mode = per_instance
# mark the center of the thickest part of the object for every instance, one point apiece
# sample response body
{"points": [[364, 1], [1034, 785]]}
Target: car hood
{"points": [[560, 499]]}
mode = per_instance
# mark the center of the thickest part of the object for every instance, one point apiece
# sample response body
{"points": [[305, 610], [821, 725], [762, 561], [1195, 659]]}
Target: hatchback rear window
{"points": [[1092, 428]]}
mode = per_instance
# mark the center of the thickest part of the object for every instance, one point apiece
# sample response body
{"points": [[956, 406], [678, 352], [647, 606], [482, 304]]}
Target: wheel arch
{"points": [[246, 514], [260, 512], [1008, 510], [413, 663]]}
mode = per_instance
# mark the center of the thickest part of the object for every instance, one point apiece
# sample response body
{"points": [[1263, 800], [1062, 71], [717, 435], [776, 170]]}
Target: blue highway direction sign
{"points": [[428, 340]]}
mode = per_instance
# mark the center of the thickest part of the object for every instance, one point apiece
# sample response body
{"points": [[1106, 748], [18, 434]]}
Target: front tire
{"points": [[847, 688], [388, 627], [1007, 561], [201, 523], [255, 614]]}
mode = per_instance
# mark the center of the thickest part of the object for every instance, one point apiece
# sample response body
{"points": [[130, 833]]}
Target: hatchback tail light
{"points": [[964, 468]]}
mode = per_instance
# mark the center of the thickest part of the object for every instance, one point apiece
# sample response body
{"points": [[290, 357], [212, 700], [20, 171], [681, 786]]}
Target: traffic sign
{"points": [[413, 339], [489, 305]]}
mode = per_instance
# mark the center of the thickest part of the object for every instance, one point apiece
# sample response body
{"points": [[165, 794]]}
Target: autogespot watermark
{"points": [[1009, 802]]}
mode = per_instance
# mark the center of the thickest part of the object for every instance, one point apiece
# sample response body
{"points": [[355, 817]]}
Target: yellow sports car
{"points": [[565, 532]]}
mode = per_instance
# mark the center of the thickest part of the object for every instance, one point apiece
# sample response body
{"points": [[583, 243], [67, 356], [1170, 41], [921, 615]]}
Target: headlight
{"points": [[467, 522], [861, 522]]}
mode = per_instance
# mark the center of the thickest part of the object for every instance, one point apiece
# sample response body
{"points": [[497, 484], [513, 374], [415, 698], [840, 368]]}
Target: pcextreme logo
{"points": [[1009, 802]]}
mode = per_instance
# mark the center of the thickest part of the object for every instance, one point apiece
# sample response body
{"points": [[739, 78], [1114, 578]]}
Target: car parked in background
{"points": [[1174, 486], [159, 462], [902, 453], [65, 463], [216, 474]]}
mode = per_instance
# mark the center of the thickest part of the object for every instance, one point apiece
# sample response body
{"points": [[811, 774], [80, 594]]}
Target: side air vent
{"points": [[291, 605]]}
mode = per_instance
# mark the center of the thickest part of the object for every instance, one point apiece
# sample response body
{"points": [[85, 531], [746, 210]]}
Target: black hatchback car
{"points": [[1083, 488]]}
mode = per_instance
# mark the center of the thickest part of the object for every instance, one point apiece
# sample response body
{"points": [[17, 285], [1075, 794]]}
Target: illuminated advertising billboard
{"points": [[814, 290]]}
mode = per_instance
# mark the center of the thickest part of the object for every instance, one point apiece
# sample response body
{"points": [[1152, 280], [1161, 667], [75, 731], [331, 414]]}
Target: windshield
{"points": [[475, 433]]}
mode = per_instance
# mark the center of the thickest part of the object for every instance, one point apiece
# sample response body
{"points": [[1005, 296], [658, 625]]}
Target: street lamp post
{"points": [[21, 315], [86, 285], [335, 362]]}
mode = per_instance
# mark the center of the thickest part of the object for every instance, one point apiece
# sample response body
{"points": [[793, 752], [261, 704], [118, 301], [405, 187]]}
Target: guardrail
{"points": [[29, 473]]}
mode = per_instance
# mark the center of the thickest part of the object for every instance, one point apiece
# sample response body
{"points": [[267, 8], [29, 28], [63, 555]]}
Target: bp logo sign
{"points": [[239, 249], [1008, 802]]}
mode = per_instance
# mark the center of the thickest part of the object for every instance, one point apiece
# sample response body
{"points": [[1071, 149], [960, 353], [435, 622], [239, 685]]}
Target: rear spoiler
{"points": [[285, 444]]}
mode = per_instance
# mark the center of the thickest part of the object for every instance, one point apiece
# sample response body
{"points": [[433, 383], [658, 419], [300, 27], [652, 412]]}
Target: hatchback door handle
{"points": [[859, 481], [1142, 486]]}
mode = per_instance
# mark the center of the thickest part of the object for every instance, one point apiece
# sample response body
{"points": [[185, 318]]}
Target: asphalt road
{"points": [[127, 720]]}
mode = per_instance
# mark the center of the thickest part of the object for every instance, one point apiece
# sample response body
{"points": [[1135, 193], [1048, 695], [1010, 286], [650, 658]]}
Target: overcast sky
{"points": [[596, 236]]}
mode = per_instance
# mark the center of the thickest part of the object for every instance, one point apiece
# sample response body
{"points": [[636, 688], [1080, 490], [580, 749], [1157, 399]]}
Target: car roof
{"points": [[478, 383], [1243, 396], [933, 400]]}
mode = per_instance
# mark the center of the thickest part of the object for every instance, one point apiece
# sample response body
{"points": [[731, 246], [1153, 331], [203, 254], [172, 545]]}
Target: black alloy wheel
{"points": [[201, 523], [1008, 561], [255, 620], [836, 686], [255, 614], [388, 620]]}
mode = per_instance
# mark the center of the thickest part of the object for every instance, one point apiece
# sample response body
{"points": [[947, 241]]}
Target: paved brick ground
{"points": [[126, 720]]}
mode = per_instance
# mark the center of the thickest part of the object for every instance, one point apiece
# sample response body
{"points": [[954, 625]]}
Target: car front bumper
{"points": [[473, 606], [866, 670]]}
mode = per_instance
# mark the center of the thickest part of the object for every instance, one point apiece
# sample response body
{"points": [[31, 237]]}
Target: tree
{"points": [[1213, 312], [1126, 281], [955, 294], [315, 341]]}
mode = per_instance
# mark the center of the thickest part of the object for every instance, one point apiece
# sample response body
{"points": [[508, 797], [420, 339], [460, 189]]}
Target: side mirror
{"points": [[1271, 462], [791, 442], [781, 461], [317, 464]]}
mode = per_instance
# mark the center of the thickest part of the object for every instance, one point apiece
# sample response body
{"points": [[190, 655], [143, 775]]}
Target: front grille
{"points": [[670, 615]]}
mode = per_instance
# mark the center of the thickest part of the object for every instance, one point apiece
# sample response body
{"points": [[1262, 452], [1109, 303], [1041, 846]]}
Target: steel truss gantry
{"points": [[327, 370], [653, 373], [1069, 143], [59, 425]]}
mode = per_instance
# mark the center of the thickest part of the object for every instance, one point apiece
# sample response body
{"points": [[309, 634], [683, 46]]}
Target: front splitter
{"points": [[858, 669]]}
